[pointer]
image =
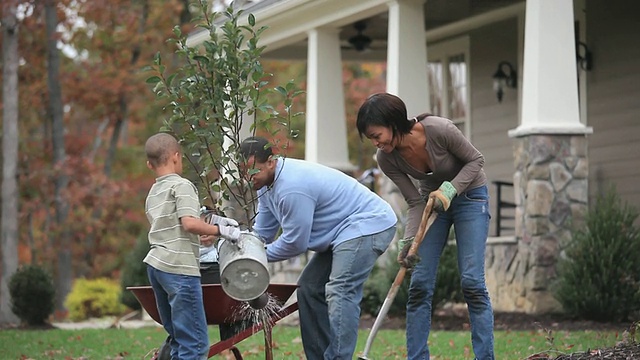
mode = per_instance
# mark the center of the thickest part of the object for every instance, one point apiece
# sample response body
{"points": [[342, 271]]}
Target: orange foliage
{"points": [[103, 85]]}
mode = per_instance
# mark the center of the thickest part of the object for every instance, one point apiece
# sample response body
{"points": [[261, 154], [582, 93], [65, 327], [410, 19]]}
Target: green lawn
{"points": [[389, 344]]}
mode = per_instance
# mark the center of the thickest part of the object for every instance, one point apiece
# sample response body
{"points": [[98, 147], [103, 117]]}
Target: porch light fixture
{"points": [[583, 56], [502, 79]]}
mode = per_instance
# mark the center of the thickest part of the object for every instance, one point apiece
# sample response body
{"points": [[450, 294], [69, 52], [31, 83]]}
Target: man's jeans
{"points": [[469, 213], [330, 293], [179, 301]]}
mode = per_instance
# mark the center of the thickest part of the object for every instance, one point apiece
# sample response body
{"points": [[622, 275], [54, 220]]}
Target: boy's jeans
{"points": [[469, 213], [179, 301], [330, 293]]}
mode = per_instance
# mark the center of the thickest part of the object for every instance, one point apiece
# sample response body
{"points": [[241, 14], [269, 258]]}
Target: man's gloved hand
{"points": [[407, 261], [231, 233], [443, 196], [222, 221]]}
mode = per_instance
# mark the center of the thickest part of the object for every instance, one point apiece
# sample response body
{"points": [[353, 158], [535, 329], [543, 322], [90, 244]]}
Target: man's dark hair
{"points": [[256, 146]]}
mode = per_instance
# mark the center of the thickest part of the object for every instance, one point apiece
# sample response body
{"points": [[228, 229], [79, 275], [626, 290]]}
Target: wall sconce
{"points": [[502, 79], [584, 57]]}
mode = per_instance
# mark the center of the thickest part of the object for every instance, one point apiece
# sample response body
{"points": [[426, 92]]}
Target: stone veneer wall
{"points": [[551, 194]]}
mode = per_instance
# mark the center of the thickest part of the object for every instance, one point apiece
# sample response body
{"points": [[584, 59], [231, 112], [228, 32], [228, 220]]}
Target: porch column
{"points": [[549, 78], [550, 179], [407, 55], [326, 127]]}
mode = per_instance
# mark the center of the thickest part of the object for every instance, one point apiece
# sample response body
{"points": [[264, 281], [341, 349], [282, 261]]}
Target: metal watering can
{"points": [[244, 275]]}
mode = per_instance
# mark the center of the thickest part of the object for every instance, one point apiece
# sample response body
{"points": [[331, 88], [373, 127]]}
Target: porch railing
{"points": [[505, 210]]}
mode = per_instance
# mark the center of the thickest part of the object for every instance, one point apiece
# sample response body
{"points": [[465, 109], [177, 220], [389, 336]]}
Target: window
{"points": [[448, 76]]}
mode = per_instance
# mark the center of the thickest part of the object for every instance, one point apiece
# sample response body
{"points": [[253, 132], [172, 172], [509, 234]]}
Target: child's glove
{"points": [[443, 196], [404, 260]]}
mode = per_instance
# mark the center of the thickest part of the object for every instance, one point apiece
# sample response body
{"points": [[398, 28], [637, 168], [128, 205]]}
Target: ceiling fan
{"points": [[360, 42]]}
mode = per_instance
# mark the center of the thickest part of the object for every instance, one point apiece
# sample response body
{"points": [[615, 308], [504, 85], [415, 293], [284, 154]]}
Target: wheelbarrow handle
{"points": [[428, 217]]}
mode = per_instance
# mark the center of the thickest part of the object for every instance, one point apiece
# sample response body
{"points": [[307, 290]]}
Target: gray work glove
{"points": [[222, 221], [231, 233], [228, 227]]}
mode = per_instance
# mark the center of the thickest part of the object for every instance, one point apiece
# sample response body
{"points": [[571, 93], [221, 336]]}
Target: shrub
{"points": [[94, 298], [32, 294], [599, 274], [134, 272], [377, 286]]}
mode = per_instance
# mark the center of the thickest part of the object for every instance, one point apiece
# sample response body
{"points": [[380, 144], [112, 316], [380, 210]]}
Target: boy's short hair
{"points": [[160, 147], [256, 146]]}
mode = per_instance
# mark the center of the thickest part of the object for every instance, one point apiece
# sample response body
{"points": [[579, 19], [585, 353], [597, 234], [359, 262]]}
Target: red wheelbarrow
{"points": [[219, 309]]}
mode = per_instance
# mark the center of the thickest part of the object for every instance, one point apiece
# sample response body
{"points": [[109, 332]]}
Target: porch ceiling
{"points": [[289, 21]]}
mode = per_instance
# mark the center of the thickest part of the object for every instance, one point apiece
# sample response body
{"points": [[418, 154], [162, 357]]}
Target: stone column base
{"points": [[551, 194]]}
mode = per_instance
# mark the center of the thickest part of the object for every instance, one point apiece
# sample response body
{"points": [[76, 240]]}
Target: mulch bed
{"points": [[619, 352], [456, 319]]}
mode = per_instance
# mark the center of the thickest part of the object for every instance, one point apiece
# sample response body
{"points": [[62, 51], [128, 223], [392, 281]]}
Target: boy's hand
{"points": [[208, 240]]}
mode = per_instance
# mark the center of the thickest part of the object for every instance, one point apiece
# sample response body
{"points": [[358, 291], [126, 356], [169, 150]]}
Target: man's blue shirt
{"points": [[317, 208]]}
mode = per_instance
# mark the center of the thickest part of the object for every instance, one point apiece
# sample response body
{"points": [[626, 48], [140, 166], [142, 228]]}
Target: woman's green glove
{"points": [[407, 261], [443, 196]]}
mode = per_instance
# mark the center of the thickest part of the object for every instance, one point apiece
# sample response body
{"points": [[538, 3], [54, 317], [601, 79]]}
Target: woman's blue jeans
{"points": [[329, 295], [469, 213], [179, 302]]}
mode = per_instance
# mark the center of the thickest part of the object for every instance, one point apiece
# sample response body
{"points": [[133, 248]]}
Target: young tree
{"points": [[217, 98], [9, 224]]}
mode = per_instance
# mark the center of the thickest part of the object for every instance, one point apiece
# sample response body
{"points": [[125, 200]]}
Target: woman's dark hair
{"points": [[384, 109], [256, 146]]}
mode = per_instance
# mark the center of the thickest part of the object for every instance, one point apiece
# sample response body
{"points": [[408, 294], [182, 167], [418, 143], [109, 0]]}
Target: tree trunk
{"points": [[9, 158], [118, 129], [64, 274]]}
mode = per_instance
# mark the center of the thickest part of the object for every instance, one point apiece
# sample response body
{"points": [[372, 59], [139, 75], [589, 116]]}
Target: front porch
{"points": [[440, 57]]}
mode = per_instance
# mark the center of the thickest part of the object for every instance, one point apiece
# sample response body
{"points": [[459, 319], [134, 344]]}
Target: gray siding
{"points": [[613, 93], [491, 120]]}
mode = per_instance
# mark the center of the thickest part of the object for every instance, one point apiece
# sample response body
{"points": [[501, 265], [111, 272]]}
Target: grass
{"points": [[389, 344]]}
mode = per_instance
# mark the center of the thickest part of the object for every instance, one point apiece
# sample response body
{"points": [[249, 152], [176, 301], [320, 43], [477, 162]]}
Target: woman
{"points": [[448, 168]]}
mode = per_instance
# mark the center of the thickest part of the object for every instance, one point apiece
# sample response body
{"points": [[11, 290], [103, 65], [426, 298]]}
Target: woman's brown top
{"points": [[453, 158]]}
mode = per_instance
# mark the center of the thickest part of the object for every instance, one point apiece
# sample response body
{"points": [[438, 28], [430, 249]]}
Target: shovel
{"points": [[428, 217]]}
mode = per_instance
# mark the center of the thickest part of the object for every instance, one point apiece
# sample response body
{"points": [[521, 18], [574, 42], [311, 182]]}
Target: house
{"points": [[547, 90]]}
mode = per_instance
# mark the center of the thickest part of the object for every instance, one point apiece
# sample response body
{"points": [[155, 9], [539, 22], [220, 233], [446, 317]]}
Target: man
{"points": [[323, 210]]}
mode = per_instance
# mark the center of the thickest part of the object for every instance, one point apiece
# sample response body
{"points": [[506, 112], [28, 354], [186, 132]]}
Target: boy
{"points": [[172, 208]]}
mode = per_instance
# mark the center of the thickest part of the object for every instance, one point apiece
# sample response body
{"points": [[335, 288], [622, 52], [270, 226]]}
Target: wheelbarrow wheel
{"points": [[164, 353]]}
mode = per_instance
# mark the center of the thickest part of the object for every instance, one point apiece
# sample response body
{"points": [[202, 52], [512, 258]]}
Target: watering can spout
{"points": [[260, 302]]}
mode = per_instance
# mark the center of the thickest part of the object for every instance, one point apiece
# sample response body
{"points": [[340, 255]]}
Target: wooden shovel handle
{"points": [[428, 217], [425, 224]]}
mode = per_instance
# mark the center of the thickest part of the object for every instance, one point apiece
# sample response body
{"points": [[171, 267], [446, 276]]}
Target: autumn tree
{"points": [[105, 108], [9, 223], [360, 81], [64, 273]]}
